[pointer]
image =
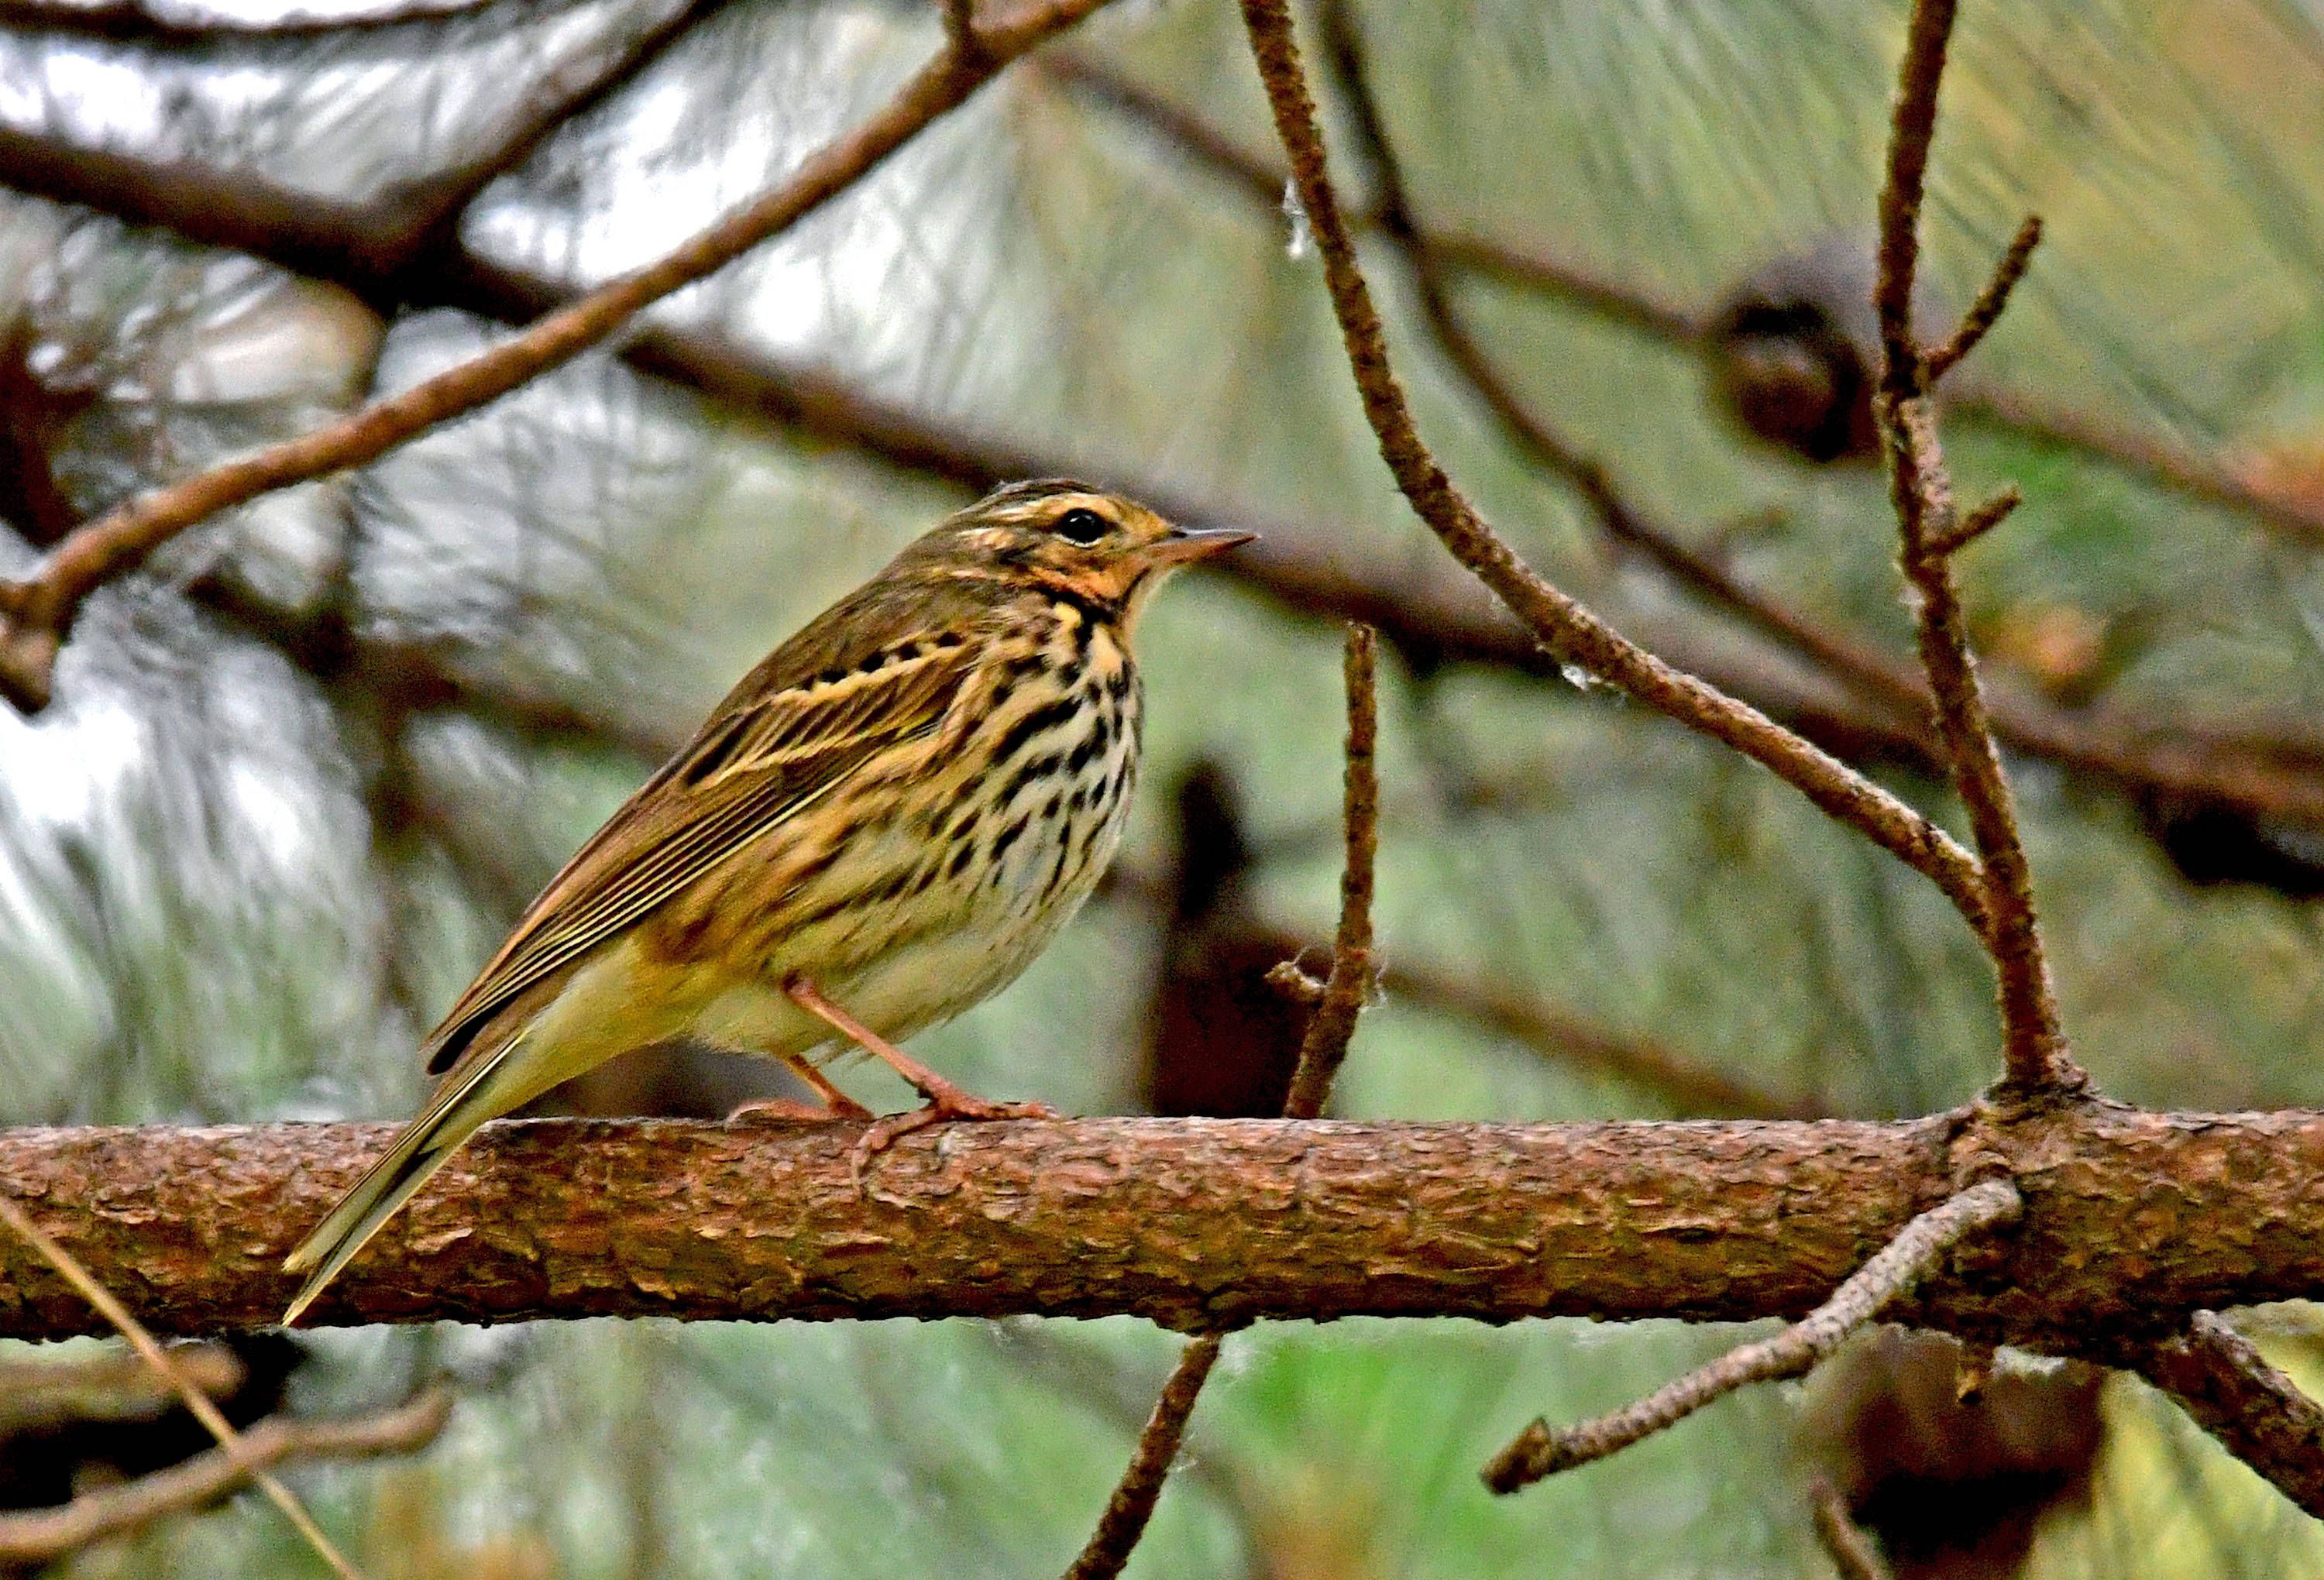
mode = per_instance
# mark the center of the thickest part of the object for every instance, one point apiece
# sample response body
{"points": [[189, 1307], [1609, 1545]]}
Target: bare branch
{"points": [[1974, 525], [2221, 1379], [230, 1442], [2033, 1043], [1851, 1548], [34, 1538], [1131, 1507], [1691, 1088], [1571, 632], [1986, 311], [1540, 1451], [40, 612], [2135, 1222], [1350, 981], [1321, 1051], [134, 21]]}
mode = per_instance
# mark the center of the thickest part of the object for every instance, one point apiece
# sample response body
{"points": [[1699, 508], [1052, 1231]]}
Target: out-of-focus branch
{"points": [[38, 612], [230, 1442], [2034, 1042], [1849, 1545], [34, 1538], [1691, 1088], [2150, 458], [2222, 1380], [1330, 1027], [2182, 767], [2134, 1222], [135, 21], [1540, 1451]]}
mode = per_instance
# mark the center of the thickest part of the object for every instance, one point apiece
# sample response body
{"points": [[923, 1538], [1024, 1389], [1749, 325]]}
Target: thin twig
{"points": [[1542, 1451], [2222, 1380], [1849, 1545], [1325, 1044], [1321, 1052], [1569, 630], [40, 612], [2033, 1044], [34, 1538], [196, 1400], [1977, 524], [1132, 1506], [1986, 311]]}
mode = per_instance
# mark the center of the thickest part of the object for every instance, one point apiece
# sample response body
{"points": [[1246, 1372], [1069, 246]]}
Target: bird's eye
{"points": [[1083, 526]]}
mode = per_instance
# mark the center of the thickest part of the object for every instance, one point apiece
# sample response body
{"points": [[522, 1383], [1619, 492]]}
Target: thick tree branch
{"points": [[2134, 1222], [40, 612], [1540, 1451]]}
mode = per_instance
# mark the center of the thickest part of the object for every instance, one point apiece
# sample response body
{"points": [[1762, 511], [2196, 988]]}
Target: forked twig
{"points": [[1321, 1052], [1561, 624], [36, 615], [1986, 311], [43, 1536], [196, 1400], [2033, 1043], [1542, 1450]]}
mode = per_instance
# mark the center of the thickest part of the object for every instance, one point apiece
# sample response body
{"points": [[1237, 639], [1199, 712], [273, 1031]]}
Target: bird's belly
{"points": [[903, 936]]}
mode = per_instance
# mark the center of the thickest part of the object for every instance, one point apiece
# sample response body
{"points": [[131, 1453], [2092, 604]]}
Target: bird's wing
{"points": [[765, 755]]}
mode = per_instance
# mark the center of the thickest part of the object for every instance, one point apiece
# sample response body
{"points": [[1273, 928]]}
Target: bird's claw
{"points": [[944, 1103]]}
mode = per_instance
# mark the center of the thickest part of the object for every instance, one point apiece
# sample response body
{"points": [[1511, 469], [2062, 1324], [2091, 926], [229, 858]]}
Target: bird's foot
{"points": [[946, 1102]]}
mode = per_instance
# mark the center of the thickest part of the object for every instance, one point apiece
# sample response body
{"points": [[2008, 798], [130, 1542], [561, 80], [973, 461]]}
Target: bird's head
{"points": [[1098, 550]]}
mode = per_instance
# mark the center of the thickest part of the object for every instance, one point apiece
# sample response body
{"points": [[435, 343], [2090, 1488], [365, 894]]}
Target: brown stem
{"points": [[32, 1538], [1540, 1451], [1986, 311], [2222, 1380], [1571, 632], [1321, 1051], [1849, 1545], [230, 1442], [2033, 1044], [1131, 1507], [1333, 1023], [41, 612]]}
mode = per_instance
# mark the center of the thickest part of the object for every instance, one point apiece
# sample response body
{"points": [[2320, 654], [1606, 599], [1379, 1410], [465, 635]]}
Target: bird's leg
{"points": [[836, 1104], [946, 1100]]}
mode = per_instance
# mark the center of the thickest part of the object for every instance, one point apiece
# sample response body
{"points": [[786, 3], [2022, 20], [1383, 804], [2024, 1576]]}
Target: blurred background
{"points": [[304, 770]]}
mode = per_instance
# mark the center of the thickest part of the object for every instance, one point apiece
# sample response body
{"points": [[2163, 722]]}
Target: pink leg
{"points": [[946, 1100], [836, 1105]]}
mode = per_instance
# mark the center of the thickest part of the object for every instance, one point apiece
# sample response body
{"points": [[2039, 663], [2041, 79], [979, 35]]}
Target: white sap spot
{"points": [[1303, 234]]}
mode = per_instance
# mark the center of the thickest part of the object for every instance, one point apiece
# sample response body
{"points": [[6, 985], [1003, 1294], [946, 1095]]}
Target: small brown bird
{"points": [[881, 826]]}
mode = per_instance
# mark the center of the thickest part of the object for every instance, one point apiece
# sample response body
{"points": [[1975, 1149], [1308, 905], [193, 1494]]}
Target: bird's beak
{"points": [[1184, 547]]}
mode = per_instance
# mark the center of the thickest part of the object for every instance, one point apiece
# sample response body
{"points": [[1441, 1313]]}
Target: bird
{"points": [[881, 826]]}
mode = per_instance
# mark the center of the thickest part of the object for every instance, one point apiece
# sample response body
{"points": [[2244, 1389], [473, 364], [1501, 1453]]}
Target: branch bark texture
{"points": [[2133, 1222]]}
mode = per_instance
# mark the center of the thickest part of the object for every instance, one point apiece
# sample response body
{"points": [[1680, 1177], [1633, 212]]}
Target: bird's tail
{"points": [[451, 1117]]}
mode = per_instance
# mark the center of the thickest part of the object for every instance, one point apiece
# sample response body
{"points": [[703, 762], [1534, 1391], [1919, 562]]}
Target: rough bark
{"points": [[2133, 1221]]}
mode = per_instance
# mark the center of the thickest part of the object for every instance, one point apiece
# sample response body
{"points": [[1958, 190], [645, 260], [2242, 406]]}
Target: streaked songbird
{"points": [[881, 826]]}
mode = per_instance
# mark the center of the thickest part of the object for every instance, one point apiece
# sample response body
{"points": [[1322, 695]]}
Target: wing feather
{"points": [[760, 761]]}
